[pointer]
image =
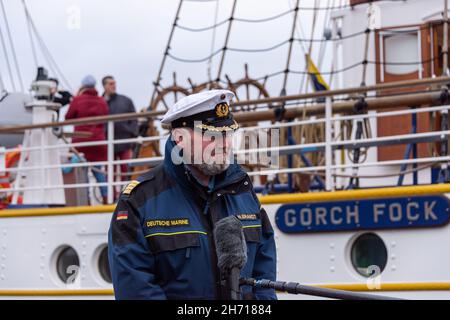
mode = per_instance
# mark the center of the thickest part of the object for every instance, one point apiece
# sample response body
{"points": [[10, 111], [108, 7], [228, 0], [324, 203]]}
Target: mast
{"points": [[222, 59], [166, 52], [291, 43]]}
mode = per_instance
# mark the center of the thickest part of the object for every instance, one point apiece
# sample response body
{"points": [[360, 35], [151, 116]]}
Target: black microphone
{"points": [[231, 252]]}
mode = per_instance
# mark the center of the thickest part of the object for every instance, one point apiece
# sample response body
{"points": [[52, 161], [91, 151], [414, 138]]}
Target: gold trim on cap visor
{"points": [[217, 129]]}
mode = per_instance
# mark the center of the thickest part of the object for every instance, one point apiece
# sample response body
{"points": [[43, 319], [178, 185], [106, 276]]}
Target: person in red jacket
{"points": [[89, 104]]}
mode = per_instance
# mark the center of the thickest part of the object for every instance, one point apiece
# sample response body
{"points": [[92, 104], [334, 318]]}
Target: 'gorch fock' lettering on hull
{"points": [[390, 213]]}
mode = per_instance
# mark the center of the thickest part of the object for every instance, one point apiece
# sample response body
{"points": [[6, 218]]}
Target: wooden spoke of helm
{"points": [[163, 93], [248, 83], [204, 86]]}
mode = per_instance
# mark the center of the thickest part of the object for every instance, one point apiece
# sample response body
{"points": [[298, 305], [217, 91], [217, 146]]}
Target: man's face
{"points": [[110, 86], [208, 151], [54, 88], [216, 146]]}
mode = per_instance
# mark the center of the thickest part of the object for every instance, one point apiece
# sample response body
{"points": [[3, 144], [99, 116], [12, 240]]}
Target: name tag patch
{"points": [[247, 216], [168, 223]]}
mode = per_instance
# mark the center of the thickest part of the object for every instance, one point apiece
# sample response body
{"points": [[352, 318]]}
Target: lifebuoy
{"points": [[11, 159]]}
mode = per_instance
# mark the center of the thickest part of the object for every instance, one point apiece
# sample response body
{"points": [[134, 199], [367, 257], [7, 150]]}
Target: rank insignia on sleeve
{"points": [[130, 187], [122, 215]]}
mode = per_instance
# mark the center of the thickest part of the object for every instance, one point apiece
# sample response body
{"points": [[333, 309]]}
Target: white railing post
{"points": [[43, 159], [23, 153], [328, 148], [110, 161]]}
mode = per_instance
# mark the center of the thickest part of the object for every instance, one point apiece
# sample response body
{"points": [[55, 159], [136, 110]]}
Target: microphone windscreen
{"points": [[230, 244]]}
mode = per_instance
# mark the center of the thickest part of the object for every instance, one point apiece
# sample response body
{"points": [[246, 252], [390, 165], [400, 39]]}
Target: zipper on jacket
{"points": [[207, 222], [205, 210]]}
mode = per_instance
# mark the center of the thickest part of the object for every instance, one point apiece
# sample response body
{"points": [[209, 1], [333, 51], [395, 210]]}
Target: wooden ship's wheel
{"points": [[204, 86], [165, 97], [250, 89], [244, 89], [146, 149]]}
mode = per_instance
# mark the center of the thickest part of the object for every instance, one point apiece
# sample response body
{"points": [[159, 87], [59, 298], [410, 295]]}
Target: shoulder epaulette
{"points": [[130, 187], [134, 183]]}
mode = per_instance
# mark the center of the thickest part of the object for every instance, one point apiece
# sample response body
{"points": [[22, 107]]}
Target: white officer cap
{"points": [[210, 107]]}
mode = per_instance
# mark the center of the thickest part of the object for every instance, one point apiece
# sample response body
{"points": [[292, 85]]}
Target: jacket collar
{"points": [[109, 97], [183, 176], [90, 92]]}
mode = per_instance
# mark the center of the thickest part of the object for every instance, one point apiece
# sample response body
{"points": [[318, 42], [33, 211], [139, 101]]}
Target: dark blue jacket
{"points": [[161, 243], [126, 129]]}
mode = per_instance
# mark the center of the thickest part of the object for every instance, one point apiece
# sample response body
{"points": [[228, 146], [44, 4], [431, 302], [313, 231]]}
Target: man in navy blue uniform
{"points": [[161, 242]]}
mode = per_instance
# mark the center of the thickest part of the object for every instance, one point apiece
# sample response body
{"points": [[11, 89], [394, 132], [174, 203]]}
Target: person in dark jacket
{"points": [[122, 129], [60, 96], [89, 104], [160, 241]]}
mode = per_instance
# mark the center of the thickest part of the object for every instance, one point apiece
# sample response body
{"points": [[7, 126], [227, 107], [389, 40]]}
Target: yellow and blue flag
{"points": [[318, 82]]}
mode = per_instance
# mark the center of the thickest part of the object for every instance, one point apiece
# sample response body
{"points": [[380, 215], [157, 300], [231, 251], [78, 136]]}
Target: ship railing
{"points": [[283, 150], [329, 145]]}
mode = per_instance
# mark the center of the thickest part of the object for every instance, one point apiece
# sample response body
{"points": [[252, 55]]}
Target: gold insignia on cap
{"points": [[222, 109]]}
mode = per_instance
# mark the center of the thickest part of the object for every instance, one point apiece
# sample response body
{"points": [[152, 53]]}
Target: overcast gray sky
{"points": [[127, 38]]}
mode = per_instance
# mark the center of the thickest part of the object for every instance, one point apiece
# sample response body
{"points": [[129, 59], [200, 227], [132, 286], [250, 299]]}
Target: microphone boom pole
{"points": [[297, 288]]}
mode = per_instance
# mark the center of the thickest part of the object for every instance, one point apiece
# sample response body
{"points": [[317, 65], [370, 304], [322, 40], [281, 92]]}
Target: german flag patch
{"points": [[130, 187], [122, 215]]}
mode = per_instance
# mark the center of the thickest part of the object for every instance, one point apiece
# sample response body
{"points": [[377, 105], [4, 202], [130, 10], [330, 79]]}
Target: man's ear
{"points": [[180, 136]]}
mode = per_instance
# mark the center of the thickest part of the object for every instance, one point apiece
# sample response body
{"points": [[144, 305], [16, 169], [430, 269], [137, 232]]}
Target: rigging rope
{"points": [[328, 72], [351, 35], [2, 87], [30, 34], [8, 65], [300, 40], [46, 52], [310, 42], [322, 45], [195, 60], [306, 72], [260, 50], [274, 17], [310, 8], [265, 19], [215, 25], [299, 32], [11, 43], [227, 38], [213, 41]]}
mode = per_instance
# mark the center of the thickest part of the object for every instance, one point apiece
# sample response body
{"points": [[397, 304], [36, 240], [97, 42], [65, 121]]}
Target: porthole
{"points": [[67, 264], [369, 254], [103, 265]]}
